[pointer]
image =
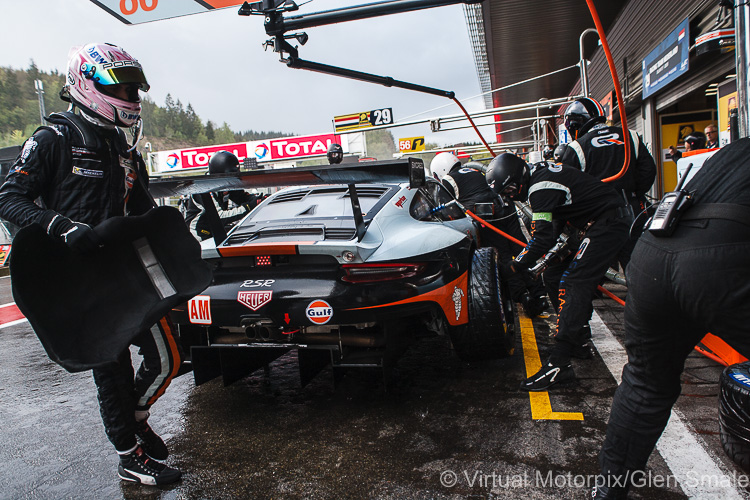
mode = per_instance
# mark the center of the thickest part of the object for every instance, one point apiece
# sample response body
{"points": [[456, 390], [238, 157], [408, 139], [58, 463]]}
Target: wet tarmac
{"points": [[443, 429]]}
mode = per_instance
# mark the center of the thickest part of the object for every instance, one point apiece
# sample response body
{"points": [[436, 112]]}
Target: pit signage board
{"points": [[364, 119], [144, 11], [667, 61], [411, 144]]}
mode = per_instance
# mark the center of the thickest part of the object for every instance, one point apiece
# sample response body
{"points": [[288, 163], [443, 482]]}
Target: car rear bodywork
{"points": [[345, 274]]}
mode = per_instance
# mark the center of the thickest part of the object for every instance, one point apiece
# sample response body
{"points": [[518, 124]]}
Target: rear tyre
{"points": [[491, 332], [734, 419]]}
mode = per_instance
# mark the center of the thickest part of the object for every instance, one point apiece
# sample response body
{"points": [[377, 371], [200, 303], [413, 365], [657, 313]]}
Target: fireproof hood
{"points": [[86, 308]]}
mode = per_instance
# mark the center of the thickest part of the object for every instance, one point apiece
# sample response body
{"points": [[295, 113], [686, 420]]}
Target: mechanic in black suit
{"points": [[600, 217], [680, 287], [197, 218], [599, 150], [469, 187]]}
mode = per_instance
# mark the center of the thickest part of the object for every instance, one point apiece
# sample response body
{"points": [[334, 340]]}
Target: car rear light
{"points": [[369, 273], [262, 260]]}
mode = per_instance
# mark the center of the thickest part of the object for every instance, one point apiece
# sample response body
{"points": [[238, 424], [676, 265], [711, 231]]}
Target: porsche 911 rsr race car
{"points": [[345, 274]]}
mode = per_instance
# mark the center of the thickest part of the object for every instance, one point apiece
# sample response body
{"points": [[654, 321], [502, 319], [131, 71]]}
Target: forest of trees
{"points": [[173, 125]]}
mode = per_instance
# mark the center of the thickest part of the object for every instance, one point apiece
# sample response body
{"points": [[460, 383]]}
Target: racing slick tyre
{"points": [[490, 333], [734, 413]]}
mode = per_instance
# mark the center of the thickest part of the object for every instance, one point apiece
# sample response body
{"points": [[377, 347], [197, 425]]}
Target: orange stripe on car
{"points": [[263, 249], [447, 297]]}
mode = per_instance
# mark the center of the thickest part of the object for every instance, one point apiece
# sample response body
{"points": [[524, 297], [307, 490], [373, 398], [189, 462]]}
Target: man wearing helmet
{"points": [[693, 142], [565, 195], [599, 150], [83, 171], [221, 162], [469, 186], [335, 154]]}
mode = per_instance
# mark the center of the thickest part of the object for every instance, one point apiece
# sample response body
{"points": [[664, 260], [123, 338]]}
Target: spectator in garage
{"points": [[712, 136], [83, 171], [560, 195], [469, 187], [230, 205], [680, 287], [693, 142]]}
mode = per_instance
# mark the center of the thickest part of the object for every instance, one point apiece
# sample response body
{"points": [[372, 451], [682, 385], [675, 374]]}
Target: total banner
{"points": [[269, 150]]}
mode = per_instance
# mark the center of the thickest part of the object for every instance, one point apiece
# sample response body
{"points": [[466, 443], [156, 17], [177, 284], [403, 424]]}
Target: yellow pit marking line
{"points": [[541, 408]]}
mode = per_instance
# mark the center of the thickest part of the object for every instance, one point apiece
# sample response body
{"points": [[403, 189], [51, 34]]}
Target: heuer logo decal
{"points": [[400, 202], [199, 309], [319, 312], [457, 297], [254, 300]]}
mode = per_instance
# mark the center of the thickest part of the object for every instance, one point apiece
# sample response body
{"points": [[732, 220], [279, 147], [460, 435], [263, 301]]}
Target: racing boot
{"points": [[138, 467], [533, 306], [584, 350], [552, 373], [609, 493], [150, 441]]}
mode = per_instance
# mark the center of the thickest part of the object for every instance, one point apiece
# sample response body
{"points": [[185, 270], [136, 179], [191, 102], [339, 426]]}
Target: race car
{"points": [[346, 274]]}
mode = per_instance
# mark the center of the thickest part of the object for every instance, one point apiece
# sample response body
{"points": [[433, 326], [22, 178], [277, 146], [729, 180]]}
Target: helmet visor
{"points": [[127, 72]]}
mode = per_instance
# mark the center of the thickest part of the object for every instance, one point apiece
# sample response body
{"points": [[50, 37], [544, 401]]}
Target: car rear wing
{"points": [[389, 171]]}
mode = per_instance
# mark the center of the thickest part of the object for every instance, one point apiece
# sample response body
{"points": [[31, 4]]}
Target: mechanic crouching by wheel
{"points": [[469, 187], [221, 162], [565, 194], [680, 287], [83, 171]]}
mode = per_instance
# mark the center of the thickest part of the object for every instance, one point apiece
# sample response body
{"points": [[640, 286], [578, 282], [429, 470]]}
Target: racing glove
{"points": [[76, 235]]}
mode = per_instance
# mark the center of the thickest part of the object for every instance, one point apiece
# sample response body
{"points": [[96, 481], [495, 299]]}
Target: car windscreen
{"points": [[322, 202]]}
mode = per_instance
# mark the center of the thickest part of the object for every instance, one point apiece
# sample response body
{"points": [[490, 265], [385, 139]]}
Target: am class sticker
{"points": [[319, 312]]}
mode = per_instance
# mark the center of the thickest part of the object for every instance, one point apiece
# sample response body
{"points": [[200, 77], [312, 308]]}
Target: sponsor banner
{"points": [[192, 158], [285, 148], [199, 309], [300, 147], [411, 144], [143, 11]]}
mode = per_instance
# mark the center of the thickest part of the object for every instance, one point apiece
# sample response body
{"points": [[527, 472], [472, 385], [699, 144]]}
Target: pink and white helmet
{"points": [[93, 69]]}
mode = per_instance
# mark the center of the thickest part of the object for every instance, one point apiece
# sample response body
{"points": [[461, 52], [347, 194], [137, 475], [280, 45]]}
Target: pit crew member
{"points": [[680, 287], [469, 187], [569, 196]]}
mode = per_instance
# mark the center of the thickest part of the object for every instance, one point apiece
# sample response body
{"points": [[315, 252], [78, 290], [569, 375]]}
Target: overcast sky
{"points": [[216, 62]]}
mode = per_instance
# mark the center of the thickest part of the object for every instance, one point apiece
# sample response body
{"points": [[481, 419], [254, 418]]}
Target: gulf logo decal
{"points": [[319, 312], [254, 300]]}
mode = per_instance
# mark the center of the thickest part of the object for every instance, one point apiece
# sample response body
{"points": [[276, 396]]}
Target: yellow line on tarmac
{"points": [[541, 408]]}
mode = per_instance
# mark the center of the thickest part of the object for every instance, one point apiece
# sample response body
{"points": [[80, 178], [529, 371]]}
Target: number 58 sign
{"points": [[143, 11]]}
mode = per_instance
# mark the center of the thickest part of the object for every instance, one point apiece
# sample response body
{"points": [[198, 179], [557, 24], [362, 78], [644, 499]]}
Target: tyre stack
{"points": [[734, 413]]}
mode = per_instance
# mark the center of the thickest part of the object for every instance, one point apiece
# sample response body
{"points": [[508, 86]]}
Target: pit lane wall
{"points": [[284, 151]]}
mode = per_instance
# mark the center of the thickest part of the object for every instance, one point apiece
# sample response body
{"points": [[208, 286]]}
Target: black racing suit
{"points": [[197, 217], [600, 151], [568, 196], [83, 172], [470, 187], [680, 288]]}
